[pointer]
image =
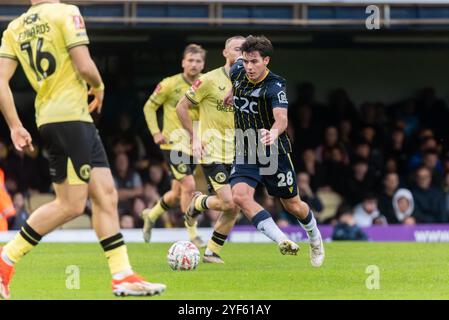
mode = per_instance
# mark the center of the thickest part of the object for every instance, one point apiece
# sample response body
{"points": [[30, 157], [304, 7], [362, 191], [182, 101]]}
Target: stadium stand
{"points": [[395, 132]]}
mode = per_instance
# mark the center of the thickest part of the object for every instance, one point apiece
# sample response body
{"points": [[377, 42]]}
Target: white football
{"points": [[183, 255]]}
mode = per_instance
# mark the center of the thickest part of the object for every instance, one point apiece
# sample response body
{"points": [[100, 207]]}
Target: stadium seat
{"points": [[36, 200], [331, 201], [82, 222]]}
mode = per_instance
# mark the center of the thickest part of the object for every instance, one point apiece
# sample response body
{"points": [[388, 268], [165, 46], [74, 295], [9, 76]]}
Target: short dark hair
{"points": [[260, 44]]}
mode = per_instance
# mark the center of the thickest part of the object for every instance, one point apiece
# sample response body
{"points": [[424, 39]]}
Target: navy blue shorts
{"points": [[281, 184]]}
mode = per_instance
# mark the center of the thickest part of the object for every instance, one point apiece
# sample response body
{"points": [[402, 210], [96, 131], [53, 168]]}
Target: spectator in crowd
{"points": [[331, 140], [385, 198], [416, 159], [336, 171], [126, 140], [367, 213], [307, 195], [18, 220], [397, 149], [307, 133], [127, 221], [374, 157], [158, 176], [346, 228], [433, 163], [404, 207], [313, 168], [407, 116], [345, 131], [128, 183], [391, 166], [150, 195], [430, 204], [28, 169], [359, 183]]}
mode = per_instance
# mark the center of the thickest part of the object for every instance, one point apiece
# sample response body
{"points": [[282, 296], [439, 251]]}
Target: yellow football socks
{"points": [[117, 254], [200, 203], [216, 243], [158, 210], [23, 243]]}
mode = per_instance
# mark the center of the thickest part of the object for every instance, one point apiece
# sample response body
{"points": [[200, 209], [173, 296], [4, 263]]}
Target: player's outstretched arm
{"points": [[88, 71], [19, 135], [279, 126]]}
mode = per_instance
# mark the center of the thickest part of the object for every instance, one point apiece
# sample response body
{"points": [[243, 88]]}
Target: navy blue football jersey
{"points": [[254, 102]]}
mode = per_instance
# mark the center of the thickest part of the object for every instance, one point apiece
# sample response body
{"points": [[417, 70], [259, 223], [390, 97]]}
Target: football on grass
{"points": [[183, 255]]}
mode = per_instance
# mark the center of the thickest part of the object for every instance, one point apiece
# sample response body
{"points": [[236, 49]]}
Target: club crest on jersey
{"points": [[182, 168], [78, 21], [220, 177], [85, 172], [282, 97]]}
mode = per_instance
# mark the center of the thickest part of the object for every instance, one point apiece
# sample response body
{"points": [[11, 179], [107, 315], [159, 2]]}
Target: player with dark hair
{"points": [[260, 104]]}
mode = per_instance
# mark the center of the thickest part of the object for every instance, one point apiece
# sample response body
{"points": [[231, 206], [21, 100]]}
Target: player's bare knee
{"points": [[304, 208], [74, 209], [293, 206], [240, 198], [111, 203], [111, 196]]}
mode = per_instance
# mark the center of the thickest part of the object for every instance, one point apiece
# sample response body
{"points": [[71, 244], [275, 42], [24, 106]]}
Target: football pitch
{"points": [[252, 271]]}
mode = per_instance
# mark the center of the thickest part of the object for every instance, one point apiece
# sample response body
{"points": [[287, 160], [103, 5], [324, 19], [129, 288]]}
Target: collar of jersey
{"points": [[253, 82], [224, 71], [185, 79], [38, 4]]}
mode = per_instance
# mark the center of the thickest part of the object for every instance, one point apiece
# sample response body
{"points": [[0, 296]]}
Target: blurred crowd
{"points": [[356, 165]]}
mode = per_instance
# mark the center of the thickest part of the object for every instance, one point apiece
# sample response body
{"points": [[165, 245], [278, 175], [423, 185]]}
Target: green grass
{"points": [[252, 271]]}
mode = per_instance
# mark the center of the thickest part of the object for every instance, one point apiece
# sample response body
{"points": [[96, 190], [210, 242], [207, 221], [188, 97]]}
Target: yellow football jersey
{"points": [[216, 119], [40, 40], [167, 94]]}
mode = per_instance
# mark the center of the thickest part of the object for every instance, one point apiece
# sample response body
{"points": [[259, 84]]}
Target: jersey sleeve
{"points": [[6, 47], [161, 92], [277, 94], [236, 69], [199, 90], [156, 99], [73, 28]]}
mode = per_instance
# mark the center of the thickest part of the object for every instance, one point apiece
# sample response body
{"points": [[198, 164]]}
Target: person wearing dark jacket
{"points": [[346, 228], [385, 198], [429, 200], [359, 183]]}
